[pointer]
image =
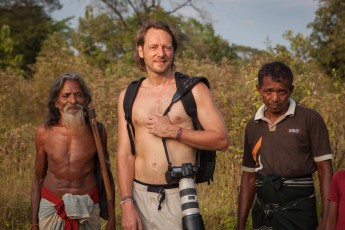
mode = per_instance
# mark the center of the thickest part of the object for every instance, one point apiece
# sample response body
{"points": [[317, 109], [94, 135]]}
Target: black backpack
{"points": [[206, 159]]}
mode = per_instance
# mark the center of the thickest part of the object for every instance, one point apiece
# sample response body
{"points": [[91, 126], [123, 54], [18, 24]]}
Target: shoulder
{"points": [[251, 121], [308, 113], [306, 110], [201, 88], [132, 87], [188, 80], [41, 133], [42, 129]]}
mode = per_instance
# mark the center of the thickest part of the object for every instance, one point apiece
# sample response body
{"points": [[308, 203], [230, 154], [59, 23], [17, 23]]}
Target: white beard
{"points": [[73, 119]]}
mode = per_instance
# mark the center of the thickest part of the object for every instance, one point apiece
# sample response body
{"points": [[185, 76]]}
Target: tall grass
{"points": [[22, 109]]}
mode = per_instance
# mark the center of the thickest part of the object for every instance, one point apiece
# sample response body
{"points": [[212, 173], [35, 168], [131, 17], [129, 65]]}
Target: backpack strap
{"points": [[128, 101], [184, 85], [184, 81]]}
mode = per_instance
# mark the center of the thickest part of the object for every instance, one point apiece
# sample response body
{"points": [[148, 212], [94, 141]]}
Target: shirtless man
{"points": [[65, 162], [142, 176]]}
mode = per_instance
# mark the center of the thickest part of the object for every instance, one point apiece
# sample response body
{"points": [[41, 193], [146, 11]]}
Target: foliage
{"points": [[29, 25], [200, 41], [101, 51], [106, 36], [233, 89], [9, 62], [48, 5], [328, 37]]}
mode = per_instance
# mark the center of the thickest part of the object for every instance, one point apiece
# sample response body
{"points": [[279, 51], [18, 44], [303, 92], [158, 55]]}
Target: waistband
{"points": [[52, 197], [156, 188], [160, 189], [304, 181]]}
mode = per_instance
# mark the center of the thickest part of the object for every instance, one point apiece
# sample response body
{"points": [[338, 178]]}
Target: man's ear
{"points": [[292, 87], [258, 88], [140, 51]]}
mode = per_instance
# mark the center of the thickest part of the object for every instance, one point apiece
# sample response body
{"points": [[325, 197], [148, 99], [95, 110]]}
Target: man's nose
{"points": [[73, 99], [275, 97], [160, 51]]}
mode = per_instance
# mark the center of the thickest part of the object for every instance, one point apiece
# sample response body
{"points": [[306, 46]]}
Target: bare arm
{"points": [[125, 170], [246, 198], [215, 134], [40, 172], [325, 171]]}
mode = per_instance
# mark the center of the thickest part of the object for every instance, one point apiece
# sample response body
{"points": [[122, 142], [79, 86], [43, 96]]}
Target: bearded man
{"points": [[64, 189]]}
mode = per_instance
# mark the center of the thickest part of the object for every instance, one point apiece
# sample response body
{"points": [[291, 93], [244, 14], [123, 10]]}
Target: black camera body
{"points": [[184, 176], [175, 173]]}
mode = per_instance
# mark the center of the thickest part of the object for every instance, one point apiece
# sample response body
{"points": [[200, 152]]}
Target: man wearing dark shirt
{"points": [[285, 144]]}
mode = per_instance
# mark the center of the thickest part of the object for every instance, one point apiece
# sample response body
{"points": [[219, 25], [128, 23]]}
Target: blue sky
{"points": [[242, 22]]}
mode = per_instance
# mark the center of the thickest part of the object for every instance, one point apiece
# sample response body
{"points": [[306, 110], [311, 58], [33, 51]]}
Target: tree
{"points": [[200, 41], [30, 24], [8, 62], [328, 37], [121, 9], [48, 5], [109, 36]]}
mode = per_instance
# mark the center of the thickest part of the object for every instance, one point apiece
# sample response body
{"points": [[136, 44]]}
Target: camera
{"points": [[191, 218], [184, 175], [175, 173]]}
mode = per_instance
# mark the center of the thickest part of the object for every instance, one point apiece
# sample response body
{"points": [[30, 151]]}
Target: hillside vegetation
{"points": [[35, 49], [23, 108]]}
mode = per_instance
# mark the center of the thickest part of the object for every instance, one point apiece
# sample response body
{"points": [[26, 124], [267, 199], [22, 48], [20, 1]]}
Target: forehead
{"points": [[267, 82], [70, 86], [157, 36]]}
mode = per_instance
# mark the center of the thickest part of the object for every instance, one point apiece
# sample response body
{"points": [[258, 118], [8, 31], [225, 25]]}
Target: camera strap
{"points": [[182, 89]]}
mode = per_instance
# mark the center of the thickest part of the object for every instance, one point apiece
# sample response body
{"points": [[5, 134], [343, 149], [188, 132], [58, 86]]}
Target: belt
{"points": [[304, 181], [158, 188]]}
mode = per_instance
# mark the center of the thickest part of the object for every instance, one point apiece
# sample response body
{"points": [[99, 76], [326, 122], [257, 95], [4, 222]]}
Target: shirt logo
{"points": [[295, 131]]}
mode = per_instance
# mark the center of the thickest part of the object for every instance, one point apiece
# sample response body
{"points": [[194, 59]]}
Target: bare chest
{"points": [[70, 147], [146, 106]]}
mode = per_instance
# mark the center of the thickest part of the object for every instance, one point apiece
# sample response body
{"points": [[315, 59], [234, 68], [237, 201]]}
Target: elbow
{"points": [[224, 144]]}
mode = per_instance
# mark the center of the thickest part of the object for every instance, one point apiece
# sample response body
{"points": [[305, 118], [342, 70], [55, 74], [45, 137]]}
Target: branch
{"points": [[116, 11], [186, 3], [136, 11]]}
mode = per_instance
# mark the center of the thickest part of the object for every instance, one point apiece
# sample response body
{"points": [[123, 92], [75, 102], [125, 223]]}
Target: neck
{"points": [[160, 79]]}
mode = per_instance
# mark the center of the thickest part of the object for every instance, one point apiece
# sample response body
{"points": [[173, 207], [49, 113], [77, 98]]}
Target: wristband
{"points": [[125, 199], [179, 133]]}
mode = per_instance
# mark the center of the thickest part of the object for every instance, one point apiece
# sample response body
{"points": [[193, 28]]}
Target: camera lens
{"points": [[191, 218]]}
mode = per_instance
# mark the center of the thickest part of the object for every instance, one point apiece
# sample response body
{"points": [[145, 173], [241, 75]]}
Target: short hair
{"points": [[277, 70], [54, 113], [140, 40]]}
